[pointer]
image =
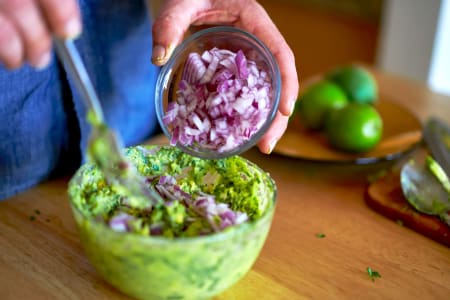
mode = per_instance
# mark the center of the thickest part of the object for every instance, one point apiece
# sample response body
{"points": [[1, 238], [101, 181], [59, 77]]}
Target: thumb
{"points": [[171, 24]]}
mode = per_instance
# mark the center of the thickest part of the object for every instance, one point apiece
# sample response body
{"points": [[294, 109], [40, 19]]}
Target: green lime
{"points": [[356, 127], [357, 82], [317, 100]]}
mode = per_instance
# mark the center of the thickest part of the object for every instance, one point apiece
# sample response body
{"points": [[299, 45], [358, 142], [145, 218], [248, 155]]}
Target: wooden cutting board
{"points": [[386, 197]]}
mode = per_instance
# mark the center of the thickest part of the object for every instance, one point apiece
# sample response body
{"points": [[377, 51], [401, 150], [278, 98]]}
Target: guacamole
{"points": [[200, 196]]}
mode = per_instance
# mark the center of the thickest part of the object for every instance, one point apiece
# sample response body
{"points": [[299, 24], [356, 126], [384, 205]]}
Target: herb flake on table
{"points": [[36, 213], [373, 274], [320, 235]]}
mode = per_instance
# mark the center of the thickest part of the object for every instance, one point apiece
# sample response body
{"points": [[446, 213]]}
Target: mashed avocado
{"points": [[200, 196]]}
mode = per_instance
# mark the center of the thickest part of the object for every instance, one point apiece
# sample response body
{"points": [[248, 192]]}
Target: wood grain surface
{"points": [[41, 256]]}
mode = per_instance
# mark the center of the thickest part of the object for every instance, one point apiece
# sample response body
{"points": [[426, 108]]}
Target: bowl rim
{"points": [[165, 74], [160, 240]]}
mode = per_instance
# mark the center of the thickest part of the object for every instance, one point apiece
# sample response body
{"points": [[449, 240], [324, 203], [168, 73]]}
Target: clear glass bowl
{"points": [[221, 37], [155, 267]]}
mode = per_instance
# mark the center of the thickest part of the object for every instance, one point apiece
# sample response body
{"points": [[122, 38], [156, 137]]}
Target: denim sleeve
{"points": [[116, 48], [35, 129]]}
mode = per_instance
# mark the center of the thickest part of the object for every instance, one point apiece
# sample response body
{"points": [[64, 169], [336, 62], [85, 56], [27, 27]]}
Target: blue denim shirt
{"points": [[42, 118]]}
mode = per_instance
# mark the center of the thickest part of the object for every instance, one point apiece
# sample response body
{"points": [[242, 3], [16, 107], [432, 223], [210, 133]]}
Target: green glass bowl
{"points": [[149, 267]]}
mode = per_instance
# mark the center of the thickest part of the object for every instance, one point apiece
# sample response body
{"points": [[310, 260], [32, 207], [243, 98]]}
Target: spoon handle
{"points": [[73, 64], [105, 146]]}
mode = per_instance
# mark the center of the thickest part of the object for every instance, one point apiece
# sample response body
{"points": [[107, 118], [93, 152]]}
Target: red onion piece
{"points": [[120, 222]]}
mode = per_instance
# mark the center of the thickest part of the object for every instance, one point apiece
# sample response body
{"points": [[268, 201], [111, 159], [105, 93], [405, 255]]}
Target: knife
{"points": [[437, 139]]}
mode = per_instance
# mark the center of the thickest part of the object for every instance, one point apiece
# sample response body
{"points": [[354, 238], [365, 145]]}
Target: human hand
{"points": [[26, 28], [176, 16]]}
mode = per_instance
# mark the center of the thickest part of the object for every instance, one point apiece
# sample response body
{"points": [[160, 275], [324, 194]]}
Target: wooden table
{"points": [[41, 256]]}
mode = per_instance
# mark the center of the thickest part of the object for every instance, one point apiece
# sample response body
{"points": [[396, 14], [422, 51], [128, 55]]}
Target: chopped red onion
{"points": [[120, 222], [218, 215], [203, 204], [223, 98], [156, 229]]}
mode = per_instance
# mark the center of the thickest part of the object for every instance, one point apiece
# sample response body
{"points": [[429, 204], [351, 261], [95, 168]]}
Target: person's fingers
{"points": [[29, 23], [289, 80], [63, 17], [258, 22], [269, 140], [11, 48], [169, 27]]}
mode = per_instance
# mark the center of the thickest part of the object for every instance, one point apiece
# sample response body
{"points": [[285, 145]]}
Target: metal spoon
{"points": [[105, 147], [426, 188]]}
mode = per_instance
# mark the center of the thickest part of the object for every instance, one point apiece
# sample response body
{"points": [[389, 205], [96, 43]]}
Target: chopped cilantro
{"points": [[37, 211], [373, 274], [32, 218], [399, 222], [320, 235]]}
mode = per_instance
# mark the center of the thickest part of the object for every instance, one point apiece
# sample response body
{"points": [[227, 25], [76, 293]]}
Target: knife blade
{"points": [[437, 139]]}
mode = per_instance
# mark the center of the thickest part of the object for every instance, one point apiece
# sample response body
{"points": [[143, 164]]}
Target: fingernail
{"points": [[272, 145], [161, 54], [158, 53], [43, 61], [291, 111], [72, 28]]}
